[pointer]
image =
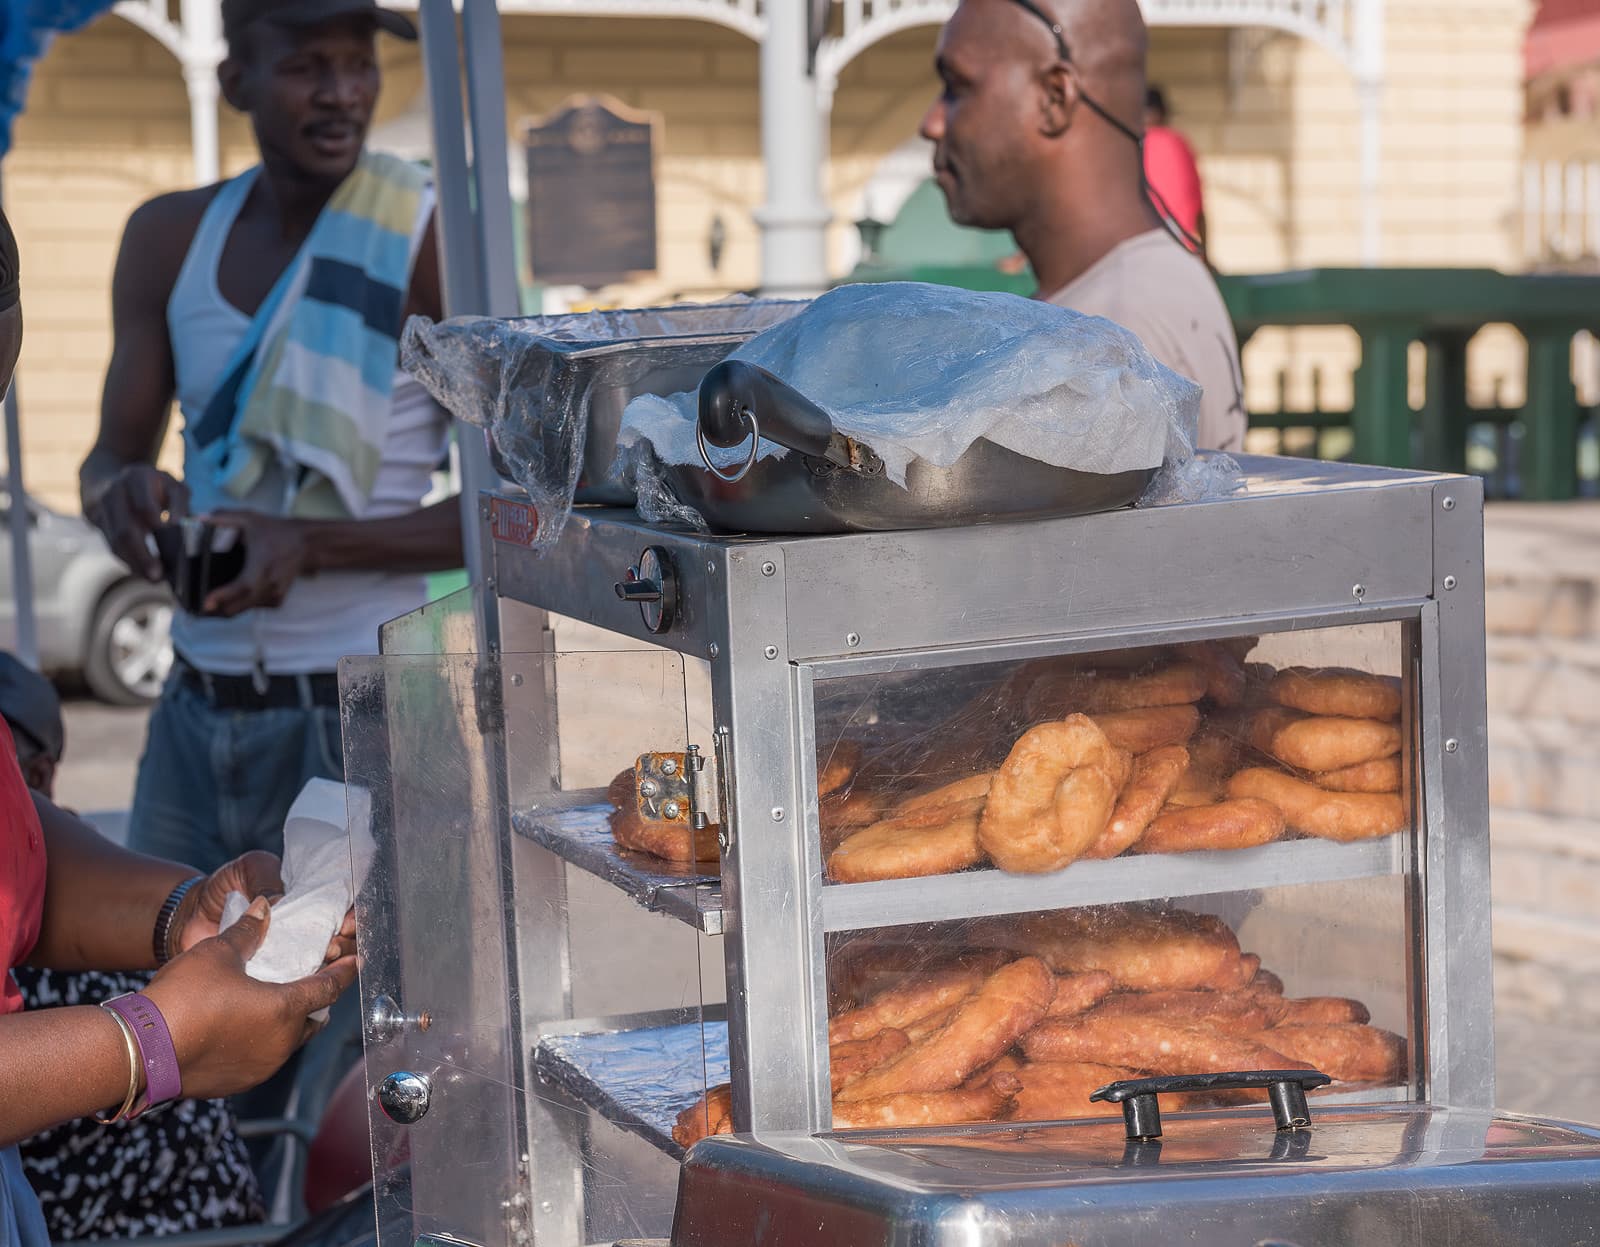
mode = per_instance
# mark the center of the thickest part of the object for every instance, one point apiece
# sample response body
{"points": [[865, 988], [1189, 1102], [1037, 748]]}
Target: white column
{"points": [[794, 219], [202, 52], [1368, 41]]}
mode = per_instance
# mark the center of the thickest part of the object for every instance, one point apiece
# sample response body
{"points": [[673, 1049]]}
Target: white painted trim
{"points": [[151, 17], [738, 15]]}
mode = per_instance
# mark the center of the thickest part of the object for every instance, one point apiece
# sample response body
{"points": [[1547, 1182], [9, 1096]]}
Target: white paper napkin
{"points": [[319, 855]]}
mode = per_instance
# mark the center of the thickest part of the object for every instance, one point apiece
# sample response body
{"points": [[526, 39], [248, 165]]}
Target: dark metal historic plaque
{"points": [[591, 194]]}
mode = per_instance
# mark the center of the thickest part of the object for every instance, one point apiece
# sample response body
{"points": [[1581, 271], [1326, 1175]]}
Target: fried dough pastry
{"points": [[677, 842], [972, 788], [1139, 731], [1227, 682], [1237, 1013], [902, 1005], [1009, 1063], [1096, 692], [1327, 744], [1382, 775], [1155, 777], [930, 840], [1316, 1011], [846, 810], [1242, 823], [924, 1026], [1249, 968], [1060, 1090], [990, 1101], [1315, 811], [1346, 1051], [1336, 691], [1267, 982], [1051, 797], [839, 766], [1011, 1002], [1076, 993], [849, 1060], [711, 1114], [1142, 949], [1152, 1044]]}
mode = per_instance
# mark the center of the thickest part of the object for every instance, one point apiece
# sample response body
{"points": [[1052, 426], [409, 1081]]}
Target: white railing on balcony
{"points": [[1560, 212]]}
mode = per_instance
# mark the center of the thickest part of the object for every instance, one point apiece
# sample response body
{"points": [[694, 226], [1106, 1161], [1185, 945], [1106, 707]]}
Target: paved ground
{"points": [[1543, 1068]]}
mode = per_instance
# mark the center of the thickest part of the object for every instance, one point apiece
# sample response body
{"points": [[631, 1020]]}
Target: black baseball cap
{"points": [[238, 14], [29, 702]]}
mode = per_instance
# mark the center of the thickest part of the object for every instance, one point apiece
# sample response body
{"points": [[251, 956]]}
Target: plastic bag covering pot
{"points": [[923, 371], [550, 390]]}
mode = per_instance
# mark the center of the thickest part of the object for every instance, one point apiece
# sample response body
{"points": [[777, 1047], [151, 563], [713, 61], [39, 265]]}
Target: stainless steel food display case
{"points": [[542, 1005]]}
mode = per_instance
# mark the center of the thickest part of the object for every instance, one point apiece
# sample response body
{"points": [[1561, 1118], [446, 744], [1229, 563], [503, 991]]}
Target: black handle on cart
{"points": [[1141, 1109], [741, 402]]}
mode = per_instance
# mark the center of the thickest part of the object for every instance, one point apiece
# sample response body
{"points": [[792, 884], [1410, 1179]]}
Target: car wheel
{"points": [[130, 648]]}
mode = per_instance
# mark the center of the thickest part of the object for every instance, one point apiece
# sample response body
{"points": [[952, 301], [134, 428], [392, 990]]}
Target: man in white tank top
{"points": [[1036, 131], [250, 713]]}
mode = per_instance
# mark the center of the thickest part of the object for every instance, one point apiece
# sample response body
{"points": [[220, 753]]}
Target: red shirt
{"points": [[21, 871], [1170, 168]]}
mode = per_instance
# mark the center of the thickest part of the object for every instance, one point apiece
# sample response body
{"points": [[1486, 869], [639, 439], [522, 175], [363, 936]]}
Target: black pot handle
{"points": [[1141, 1111], [741, 402]]}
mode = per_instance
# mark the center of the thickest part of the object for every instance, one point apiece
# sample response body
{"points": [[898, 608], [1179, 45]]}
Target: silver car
{"points": [[95, 618]]}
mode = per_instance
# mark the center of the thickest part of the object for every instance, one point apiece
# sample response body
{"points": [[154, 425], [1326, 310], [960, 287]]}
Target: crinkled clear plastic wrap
{"points": [[923, 371], [550, 390]]}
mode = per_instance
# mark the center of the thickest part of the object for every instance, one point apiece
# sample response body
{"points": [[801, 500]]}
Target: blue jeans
{"points": [[216, 783]]}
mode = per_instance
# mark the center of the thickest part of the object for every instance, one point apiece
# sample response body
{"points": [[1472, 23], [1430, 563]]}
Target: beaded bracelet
{"points": [[162, 936], [134, 1066]]}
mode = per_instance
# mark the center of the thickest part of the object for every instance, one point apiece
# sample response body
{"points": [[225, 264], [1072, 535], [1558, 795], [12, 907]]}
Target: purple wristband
{"points": [[162, 1081]]}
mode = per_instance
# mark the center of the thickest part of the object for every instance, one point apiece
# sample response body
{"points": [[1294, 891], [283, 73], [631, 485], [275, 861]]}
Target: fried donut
{"points": [[711, 1114], [973, 788], [1155, 777], [677, 842], [1142, 949], [989, 1101], [1227, 683], [1315, 811], [836, 769], [1249, 968], [1237, 1013], [1317, 1011], [1337, 691], [1346, 1051], [1096, 692], [1076, 993], [849, 1060], [930, 840], [1148, 1043], [1139, 731], [923, 1027], [1332, 744], [1382, 775], [1051, 797], [1266, 982], [1011, 1002], [1242, 823], [1060, 1090], [904, 1004], [847, 810], [1260, 728]]}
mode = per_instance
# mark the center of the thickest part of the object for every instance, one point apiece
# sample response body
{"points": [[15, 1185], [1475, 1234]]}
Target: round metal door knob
{"points": [[404, 1096]]}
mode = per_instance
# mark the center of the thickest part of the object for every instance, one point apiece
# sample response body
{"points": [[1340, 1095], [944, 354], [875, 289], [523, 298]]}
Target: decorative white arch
{"points": [[744, 16]]}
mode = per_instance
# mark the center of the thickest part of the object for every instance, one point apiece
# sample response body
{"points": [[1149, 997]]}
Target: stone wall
{"points": [[1542, 565]]}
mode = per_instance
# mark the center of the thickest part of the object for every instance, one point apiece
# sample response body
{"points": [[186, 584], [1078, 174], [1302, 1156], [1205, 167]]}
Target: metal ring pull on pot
{"points": [[740, 402]]}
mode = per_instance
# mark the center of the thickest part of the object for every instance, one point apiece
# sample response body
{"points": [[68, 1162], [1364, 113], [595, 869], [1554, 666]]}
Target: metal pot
{"points": [[830, 483]]}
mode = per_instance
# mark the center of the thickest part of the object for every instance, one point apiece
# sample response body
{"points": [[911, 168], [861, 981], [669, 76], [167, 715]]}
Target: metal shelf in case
{"points": [[638, 1072], [581, 836]]}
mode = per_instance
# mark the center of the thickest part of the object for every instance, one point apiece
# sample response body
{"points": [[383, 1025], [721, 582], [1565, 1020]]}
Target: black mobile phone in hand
{"points": [[196, 558]]}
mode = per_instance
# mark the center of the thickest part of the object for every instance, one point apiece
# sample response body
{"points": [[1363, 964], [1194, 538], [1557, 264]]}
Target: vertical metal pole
{"points": [[27, 646], [794, 218], [486, 104]]}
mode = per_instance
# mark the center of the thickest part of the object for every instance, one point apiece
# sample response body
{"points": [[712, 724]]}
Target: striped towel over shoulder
{"points": [[311, 386]]}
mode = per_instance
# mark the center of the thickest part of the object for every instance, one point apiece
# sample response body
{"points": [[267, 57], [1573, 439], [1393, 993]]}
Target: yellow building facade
{"points": [[1276, 118]]}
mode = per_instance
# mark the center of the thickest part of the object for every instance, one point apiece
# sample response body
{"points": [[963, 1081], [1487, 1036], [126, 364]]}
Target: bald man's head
{"points": [[1016, 120]]}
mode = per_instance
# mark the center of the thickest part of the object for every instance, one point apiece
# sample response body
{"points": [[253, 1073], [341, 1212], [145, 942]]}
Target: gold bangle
{"points": [[133, 1072]]}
